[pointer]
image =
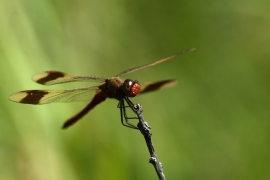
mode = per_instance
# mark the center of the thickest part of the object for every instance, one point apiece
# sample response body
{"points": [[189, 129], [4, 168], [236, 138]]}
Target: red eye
{"points": [[131, 88]]}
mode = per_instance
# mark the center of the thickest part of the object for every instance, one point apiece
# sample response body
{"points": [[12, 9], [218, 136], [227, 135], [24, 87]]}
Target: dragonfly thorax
{"points": [[112, 88]]}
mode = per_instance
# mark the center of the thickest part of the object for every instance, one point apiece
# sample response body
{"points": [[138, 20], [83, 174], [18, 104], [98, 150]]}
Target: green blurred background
{"points": [[213, 125]]}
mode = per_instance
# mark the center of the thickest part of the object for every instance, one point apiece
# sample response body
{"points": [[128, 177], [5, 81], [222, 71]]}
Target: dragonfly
{"points": [[112, 87]]}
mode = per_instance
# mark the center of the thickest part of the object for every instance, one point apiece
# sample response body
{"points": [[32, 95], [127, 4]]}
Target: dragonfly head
{"points": [[131, 88]]}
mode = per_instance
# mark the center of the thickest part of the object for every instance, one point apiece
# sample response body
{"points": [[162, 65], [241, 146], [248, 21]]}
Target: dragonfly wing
{"points": [[51, 96], [57, 77], [153, 86], [154, 63]]}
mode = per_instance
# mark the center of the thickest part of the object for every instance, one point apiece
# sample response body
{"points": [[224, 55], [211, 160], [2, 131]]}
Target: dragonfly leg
{"points": [[123, 113]]}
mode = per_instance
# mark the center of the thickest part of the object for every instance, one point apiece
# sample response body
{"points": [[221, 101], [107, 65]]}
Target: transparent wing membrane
{"points": [[154, 63], [57, 77], [51, 96]]}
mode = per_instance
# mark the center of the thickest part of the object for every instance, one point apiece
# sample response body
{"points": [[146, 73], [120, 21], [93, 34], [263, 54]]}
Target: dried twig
{"points": [[145, 130]]}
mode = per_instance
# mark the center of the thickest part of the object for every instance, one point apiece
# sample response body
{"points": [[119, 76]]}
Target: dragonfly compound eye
{"points": [[131, 88]]}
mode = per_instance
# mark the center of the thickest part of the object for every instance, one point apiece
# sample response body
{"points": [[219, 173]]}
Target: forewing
{"points": [[51, 96], [154, 63], [57, 77], [153, 86]]}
